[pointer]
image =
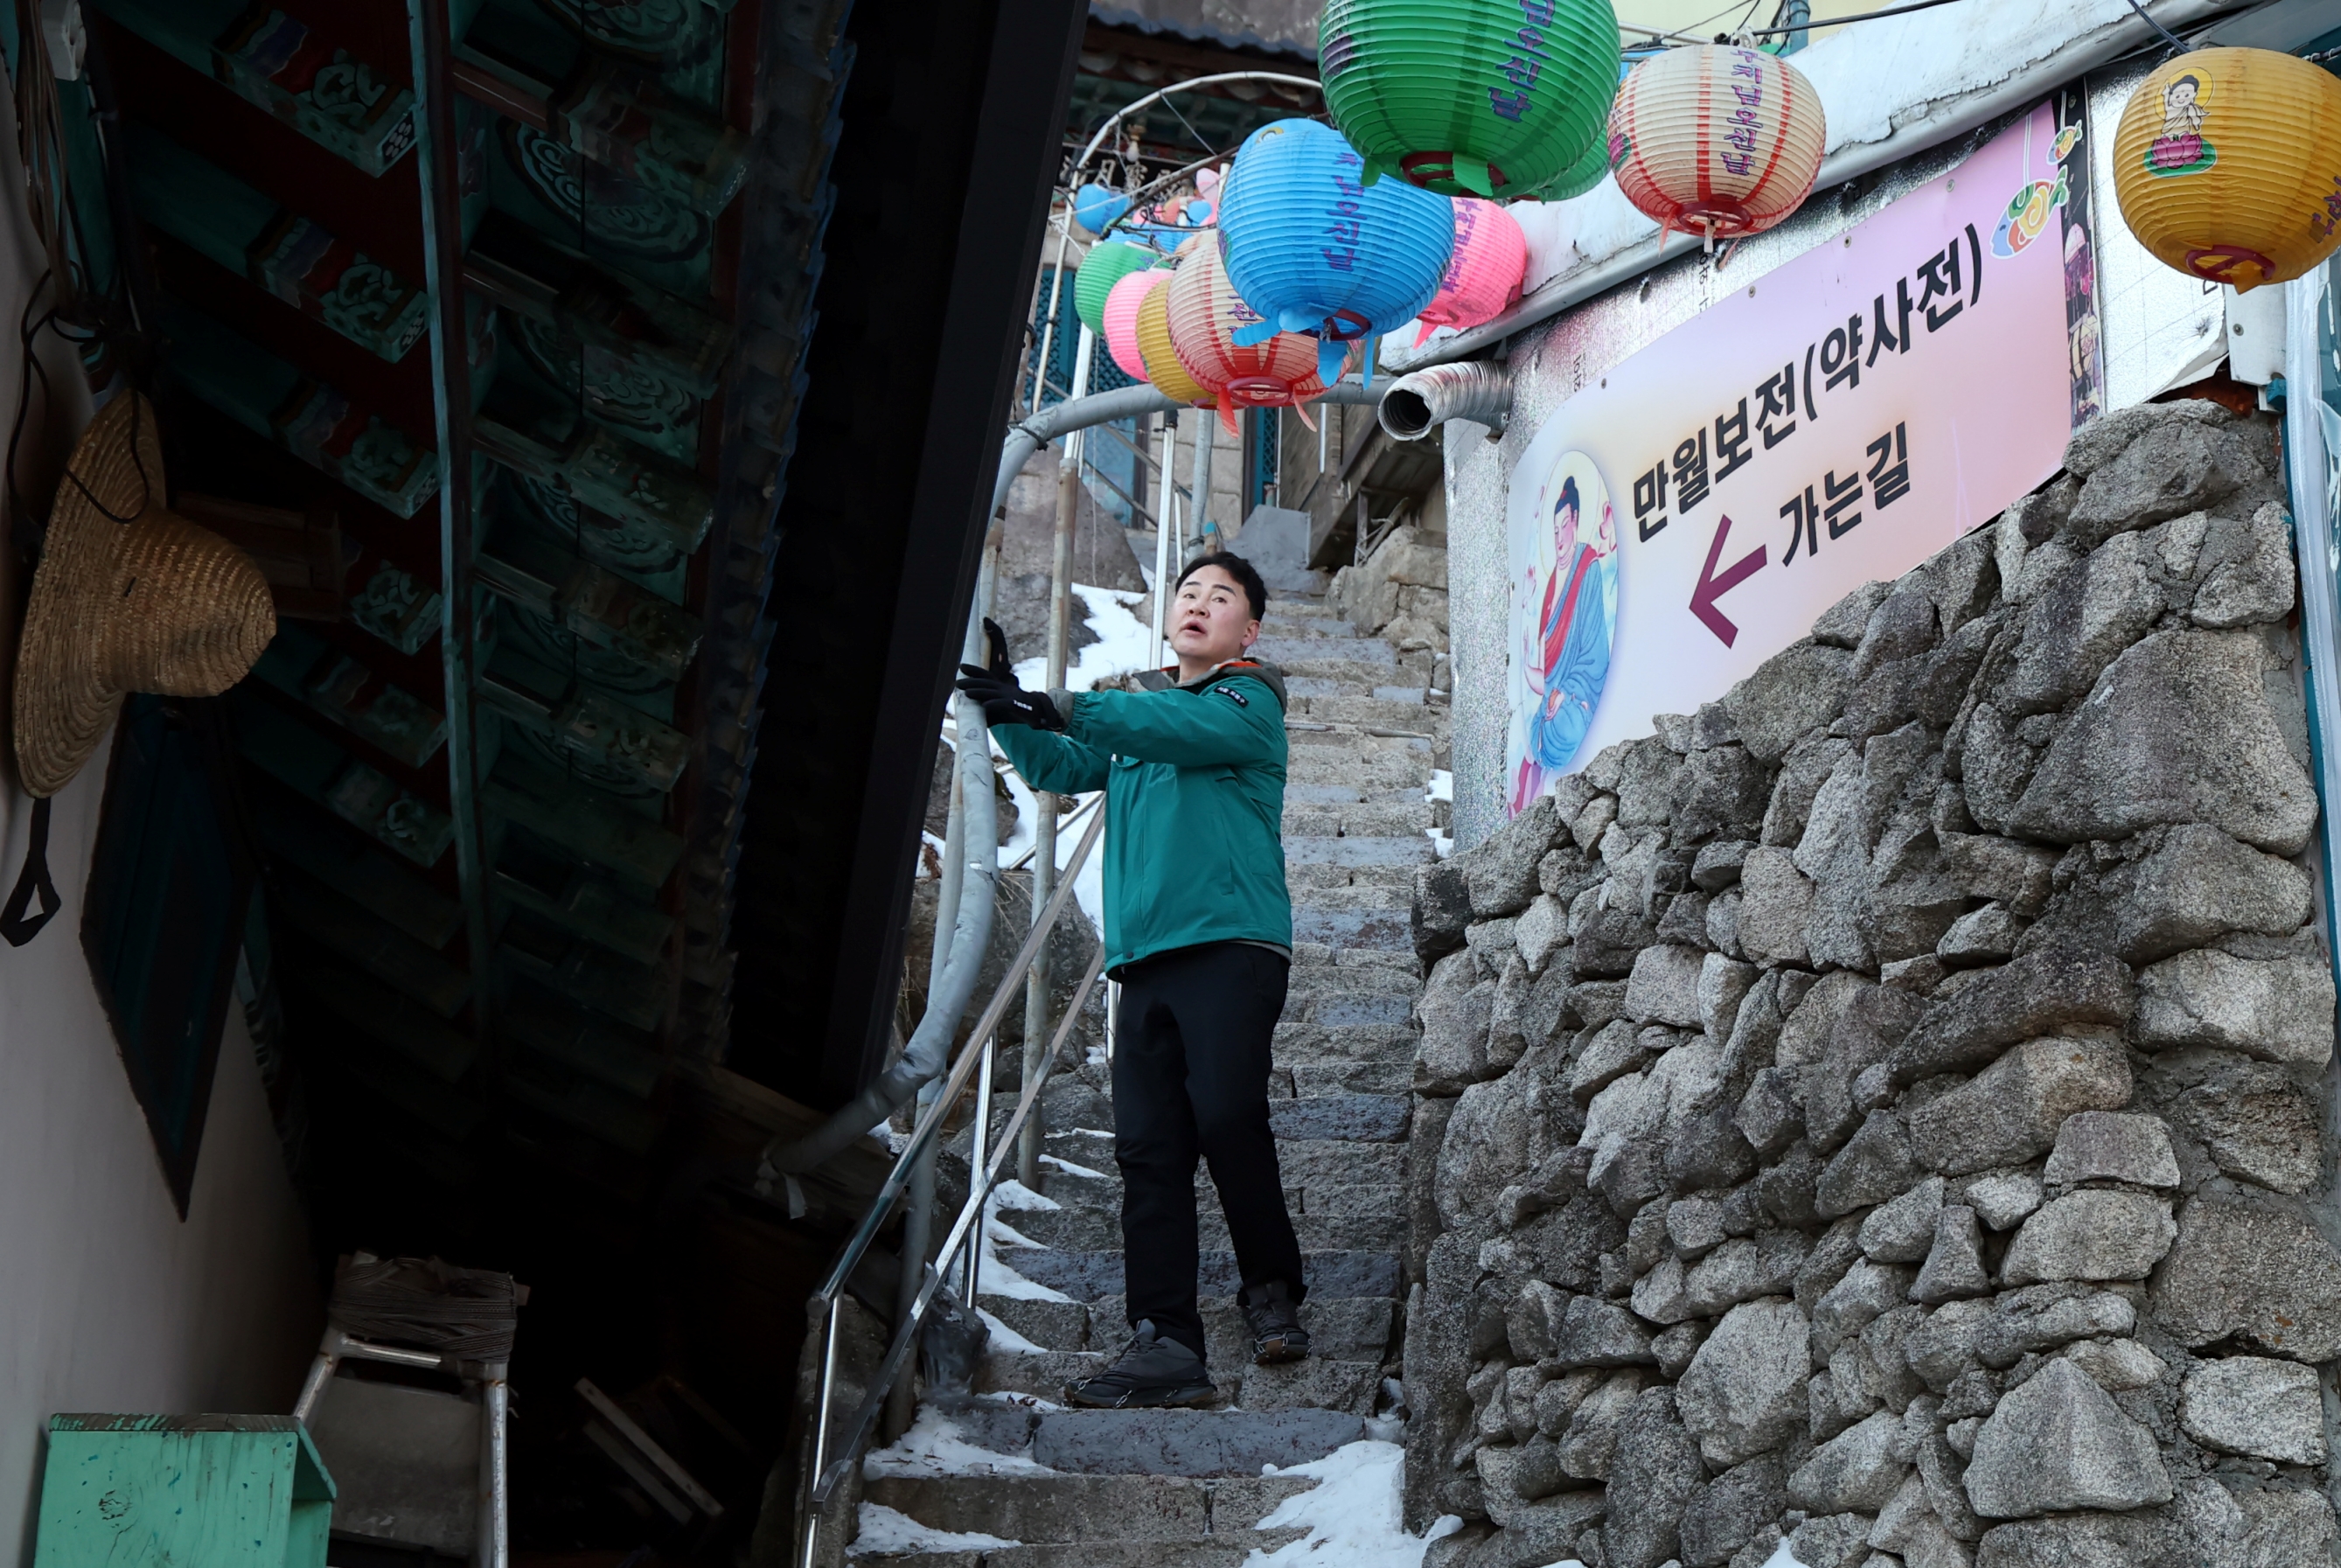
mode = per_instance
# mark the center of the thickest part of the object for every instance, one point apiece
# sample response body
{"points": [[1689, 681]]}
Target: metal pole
{"points": [[1165, 525], [979, 1165], [821, 1429], [321, 1372], [494, 1540], [1205, 428], [1044, 827], [918, 1234]]}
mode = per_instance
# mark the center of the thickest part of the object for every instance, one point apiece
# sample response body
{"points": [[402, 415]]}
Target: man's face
{"points": [[1211, 618]]}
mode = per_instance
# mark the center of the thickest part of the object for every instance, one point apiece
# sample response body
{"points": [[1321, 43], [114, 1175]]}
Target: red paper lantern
{"points": [[1716, 139], [1205, 315]]}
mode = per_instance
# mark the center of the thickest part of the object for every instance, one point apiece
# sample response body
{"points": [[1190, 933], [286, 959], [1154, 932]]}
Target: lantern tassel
{"points": [[1253, 334], [1472, 173], [1227, 416], [1302, 409], [1329, 357]]}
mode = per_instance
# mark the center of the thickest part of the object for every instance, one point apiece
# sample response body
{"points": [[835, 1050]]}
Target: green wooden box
{"points": [[178, 1491]]}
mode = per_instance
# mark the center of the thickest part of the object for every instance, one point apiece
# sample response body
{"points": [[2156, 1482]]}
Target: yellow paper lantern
{"points": [[1718, 140], [2228, 165], [1163, 367]]}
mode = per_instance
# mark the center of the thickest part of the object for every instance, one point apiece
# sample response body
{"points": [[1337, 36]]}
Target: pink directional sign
{"points": [[1838, 421]]}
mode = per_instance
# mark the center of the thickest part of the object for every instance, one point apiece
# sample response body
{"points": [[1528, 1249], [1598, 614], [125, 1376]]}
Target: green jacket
{"points": [[1194, 782]]}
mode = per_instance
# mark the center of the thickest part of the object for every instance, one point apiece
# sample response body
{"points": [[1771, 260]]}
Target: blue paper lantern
{"points": [[1313, 249], [1095, 207]]}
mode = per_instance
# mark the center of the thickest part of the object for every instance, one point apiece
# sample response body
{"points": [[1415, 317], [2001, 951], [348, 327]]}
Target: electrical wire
{"points": [[2168, 36], [1809, 25]]}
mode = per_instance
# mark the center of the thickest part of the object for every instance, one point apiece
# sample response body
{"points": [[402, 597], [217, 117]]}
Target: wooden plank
{"points": [[372, 944], [627, 319], [374, 1009], [129, 1489], [338, 856], [602, 832], [299, 553], [314, 766], [345, 692]]}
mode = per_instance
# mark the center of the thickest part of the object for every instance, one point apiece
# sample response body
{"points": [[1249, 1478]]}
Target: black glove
{"points": [[995, 688]]}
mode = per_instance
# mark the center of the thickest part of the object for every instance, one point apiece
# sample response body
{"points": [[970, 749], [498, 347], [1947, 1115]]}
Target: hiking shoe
{"points": [[1275, 1319], [1151, 1372]]}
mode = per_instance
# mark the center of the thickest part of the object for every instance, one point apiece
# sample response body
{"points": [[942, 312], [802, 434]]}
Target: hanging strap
{"points": [[14, 925]]}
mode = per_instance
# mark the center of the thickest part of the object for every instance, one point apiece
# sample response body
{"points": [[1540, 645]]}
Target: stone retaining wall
{"points": [[1887, 1109]]}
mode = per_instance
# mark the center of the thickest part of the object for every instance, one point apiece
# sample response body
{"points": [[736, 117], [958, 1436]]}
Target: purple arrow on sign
{"points": [[1710, 587]]}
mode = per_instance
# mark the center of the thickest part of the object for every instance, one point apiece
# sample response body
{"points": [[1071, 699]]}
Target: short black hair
{"points": [[1236, 567]]}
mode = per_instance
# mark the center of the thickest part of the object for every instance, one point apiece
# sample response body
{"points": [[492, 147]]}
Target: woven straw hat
{"points": [[151, 604]]}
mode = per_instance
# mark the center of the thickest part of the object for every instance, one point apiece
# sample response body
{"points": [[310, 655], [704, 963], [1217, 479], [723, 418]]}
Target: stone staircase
{"points": [[1185, 1489]]}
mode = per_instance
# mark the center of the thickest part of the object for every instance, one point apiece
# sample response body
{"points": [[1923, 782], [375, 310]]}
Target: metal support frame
{"points": [[493, 1548]]}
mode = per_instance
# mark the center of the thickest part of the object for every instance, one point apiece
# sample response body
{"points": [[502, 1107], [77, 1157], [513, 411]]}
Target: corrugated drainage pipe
{"points": [[1417, 404]]}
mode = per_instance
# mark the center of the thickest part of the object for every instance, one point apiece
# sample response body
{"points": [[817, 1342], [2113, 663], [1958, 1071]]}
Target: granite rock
{"points": [[1776, 905], [2009, 1112], [2038, 993], [2174, 466], [1655, 1469], [2255, 1123], [2141, 1540], [2275, 1009], [2092, 1234], [1664, 986], [1502, 873], [1732, 1510], [1984, 866], [2058, 1443], [2257, 584], [1902, 1230], [2002, 1201], [1954, 1267], [1986, 935], [2252, 1271], [1720, 788], [1875, 1165], [2043, 1317], [1455, 1009], [1855, 1471], [1797, 689], [2249, 1405], [2075, 629], [1744, 1392], [2177, 729], [2106, 1146]]}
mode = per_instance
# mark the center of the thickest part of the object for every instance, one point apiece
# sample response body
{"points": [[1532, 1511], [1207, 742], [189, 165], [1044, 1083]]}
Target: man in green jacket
{"points": [[1198, 932]]}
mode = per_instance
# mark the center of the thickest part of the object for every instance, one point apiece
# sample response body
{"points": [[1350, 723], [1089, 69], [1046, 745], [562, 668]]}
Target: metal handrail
{"points": [[829, 1299], [956, 1082], [979, 1197]]}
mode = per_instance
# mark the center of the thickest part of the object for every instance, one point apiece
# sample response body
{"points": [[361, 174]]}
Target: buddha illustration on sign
{"points": [[1564, 612]]}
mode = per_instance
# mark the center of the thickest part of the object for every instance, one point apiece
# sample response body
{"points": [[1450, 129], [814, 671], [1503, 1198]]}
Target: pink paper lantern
{"points": [[1120, 314], [1483, 277]]}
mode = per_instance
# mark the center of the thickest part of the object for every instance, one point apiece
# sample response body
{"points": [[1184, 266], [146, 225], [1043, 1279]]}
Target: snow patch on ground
{"points": [[937, 1445], [1005, 1337], [1011, 1194], [1071, 1169], [1352, 1514], [996, 1278], [884, 1530]]}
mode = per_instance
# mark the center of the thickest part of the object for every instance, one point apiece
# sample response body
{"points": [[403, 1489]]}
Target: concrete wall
{"points": [[108, 1300]]}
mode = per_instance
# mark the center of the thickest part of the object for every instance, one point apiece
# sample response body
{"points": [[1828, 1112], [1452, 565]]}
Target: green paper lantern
{"points": [[1580, 177], [1106, 266], [1497, 98]]}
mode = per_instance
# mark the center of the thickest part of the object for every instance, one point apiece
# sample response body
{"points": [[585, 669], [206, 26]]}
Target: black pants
{"points": [[1190, 1065]]}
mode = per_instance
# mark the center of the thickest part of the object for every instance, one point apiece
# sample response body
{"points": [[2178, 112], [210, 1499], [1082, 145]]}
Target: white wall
{"points": [[108, 1300]]}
